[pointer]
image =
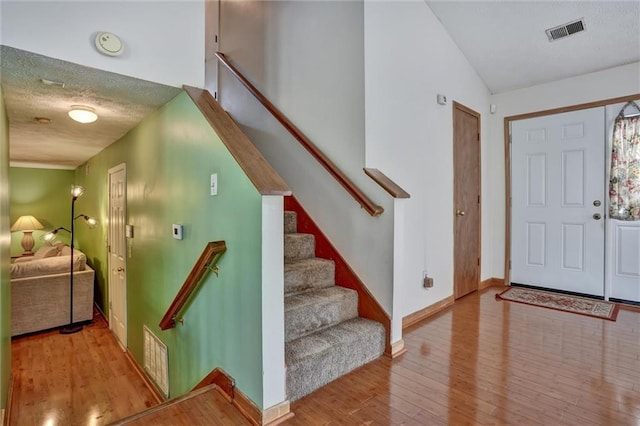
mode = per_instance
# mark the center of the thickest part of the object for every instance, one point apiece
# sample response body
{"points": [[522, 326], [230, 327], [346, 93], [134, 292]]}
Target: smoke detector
{"points": [[562, 31], [109, 44]]}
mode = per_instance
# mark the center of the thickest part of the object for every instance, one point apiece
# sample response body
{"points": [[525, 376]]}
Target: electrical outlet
{"points": [[176, 231], [427, 282]]}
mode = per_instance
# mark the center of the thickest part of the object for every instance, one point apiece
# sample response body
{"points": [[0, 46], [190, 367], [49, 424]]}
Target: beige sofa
{"points": [[40, 292]]}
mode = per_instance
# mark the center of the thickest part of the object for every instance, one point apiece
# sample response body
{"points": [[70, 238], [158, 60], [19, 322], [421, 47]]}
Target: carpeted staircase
{"points": [[324, 337]]}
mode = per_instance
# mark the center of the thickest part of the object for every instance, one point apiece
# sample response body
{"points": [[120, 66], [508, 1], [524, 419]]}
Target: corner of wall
{"points": [[5, 238], [273, 364]]}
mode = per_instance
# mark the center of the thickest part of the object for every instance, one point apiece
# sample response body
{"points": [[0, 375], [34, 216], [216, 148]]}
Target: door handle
{"points": [[597, 216], [460, 213], [120, 269]]}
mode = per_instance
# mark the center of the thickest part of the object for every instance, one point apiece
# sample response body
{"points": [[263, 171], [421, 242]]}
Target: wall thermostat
{"points": [[442, 99], [109, 44], [176, 231]]}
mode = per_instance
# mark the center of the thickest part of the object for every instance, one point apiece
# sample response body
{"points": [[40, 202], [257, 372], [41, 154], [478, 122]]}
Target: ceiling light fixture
{"points": [[83, 114]]}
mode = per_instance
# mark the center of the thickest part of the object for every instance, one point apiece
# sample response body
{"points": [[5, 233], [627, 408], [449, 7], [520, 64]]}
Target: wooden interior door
{"points": [[466, 167]]}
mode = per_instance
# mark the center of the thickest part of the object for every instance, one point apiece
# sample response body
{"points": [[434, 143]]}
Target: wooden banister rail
{"points": [[347, 184], [387, 184], [207, 260]]}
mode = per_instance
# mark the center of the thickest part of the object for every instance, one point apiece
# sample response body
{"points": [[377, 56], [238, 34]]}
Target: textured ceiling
{"points": [[121, 103], [505, 41]]}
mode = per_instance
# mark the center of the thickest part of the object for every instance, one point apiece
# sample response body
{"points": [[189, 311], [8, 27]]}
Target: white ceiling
{"points": [[506, 43], [121, 103]]}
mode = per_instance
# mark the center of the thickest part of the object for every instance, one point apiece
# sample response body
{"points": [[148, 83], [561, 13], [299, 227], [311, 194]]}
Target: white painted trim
{"points": [[273, 367], [398, 269]]}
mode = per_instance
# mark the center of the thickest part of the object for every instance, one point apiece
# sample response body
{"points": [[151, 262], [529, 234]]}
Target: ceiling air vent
{"points": [[565, 30]]}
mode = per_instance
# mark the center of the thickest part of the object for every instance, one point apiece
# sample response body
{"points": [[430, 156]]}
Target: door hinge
{"points": [[216, 38], [510, 139], [478, 261], [478, 199], [215, 95], [509, 264]]}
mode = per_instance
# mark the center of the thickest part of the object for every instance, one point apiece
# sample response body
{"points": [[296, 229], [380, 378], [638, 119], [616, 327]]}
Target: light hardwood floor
{"points": [[74, 379], [491, 362], [480, 362]]}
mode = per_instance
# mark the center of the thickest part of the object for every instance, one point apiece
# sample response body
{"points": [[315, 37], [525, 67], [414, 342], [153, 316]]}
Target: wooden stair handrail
{"points": [[386, 183], [208, 259], [347, 184]]}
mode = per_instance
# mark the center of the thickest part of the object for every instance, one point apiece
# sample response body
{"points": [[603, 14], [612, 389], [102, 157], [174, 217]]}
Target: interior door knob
{"points": [[120, 269], [597, 216], [459, 213]]}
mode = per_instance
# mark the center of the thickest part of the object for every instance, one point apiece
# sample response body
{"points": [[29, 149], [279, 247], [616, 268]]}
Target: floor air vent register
{"points": [[156, 360]]}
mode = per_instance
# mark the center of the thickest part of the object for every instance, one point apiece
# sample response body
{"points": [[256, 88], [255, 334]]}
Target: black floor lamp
{"points": [[76, 191]]}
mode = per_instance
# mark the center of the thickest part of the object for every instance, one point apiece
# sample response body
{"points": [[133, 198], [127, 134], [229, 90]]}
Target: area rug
{"points": [[561, 302]]}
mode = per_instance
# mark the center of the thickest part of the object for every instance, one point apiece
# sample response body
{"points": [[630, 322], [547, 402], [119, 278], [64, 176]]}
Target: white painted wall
{"points": [[307, 57], [164, 40], [611, 83], [273, 367], [376, 73], [409, 59], [212, 27]]}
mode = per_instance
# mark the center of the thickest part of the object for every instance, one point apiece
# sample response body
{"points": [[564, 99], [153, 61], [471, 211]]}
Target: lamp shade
{"points": [[76, 191], [26, 223]]}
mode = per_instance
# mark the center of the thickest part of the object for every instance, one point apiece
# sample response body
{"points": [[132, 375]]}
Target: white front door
{"points": [[117, 253], [557, 201]]}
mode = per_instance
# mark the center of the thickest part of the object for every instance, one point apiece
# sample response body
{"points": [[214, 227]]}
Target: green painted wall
{"points": [[43, 193], [169, 158], [5, 238]]}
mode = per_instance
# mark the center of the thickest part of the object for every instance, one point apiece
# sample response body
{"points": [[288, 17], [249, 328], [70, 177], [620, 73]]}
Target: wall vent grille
{"points": [[566, 30], [156, 360]]}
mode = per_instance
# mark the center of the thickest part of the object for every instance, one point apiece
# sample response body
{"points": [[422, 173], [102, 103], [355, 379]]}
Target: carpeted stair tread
{"points": [[324, 337], [290, 222], [306, 274], [299, 246], [307, 312], [319, 358]]}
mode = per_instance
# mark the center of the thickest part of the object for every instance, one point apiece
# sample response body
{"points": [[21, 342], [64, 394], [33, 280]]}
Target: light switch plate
{"points": [[214, 184], [176, 231]]}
